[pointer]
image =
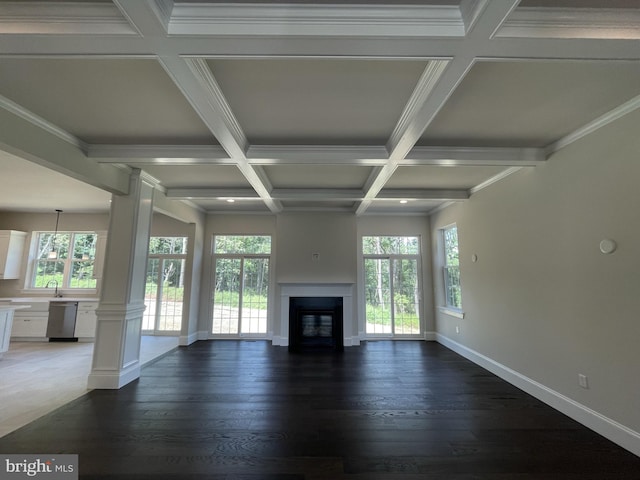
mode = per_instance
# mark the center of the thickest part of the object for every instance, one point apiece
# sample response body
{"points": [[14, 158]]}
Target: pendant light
{"points": [[53, 254]]}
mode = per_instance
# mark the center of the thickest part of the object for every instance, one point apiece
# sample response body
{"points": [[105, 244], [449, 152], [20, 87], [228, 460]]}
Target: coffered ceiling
{"points": [[354, 106]]}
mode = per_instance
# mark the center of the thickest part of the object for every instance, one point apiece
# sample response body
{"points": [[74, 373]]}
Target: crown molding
{"points": [[601, 23], [40, 122], [494, 179], [49, 18], [316, 20], [596, 124], [475, 156]]}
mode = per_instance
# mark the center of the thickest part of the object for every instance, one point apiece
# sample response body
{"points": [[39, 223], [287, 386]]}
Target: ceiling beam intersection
{"points": [[434, 89], [195, 80], [147, 17]]}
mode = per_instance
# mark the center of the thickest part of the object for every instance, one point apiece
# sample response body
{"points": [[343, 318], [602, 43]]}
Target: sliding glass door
{"points": [[241, 286], [392, 286]]}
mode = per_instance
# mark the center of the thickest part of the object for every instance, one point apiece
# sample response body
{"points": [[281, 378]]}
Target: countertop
{"points": [[8, 306], [9, 300]]}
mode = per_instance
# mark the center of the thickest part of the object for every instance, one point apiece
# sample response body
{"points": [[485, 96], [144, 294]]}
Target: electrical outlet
{"points": [[583, 381], [457, 328]]}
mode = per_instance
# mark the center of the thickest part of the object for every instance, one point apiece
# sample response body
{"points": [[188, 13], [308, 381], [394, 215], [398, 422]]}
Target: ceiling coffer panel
{"points": [[530, 103], [105, 101], [317, 101], [317, 176]]}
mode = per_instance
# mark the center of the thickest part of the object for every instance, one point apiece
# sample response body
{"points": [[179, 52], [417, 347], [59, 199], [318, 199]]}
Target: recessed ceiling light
{"points": [[404, 201], [230, 200]]}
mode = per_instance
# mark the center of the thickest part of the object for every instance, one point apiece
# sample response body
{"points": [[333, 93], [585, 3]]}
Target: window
{"points": [[241, 284], [164, 290], [65, 260], [451, 269], [392, 287]]}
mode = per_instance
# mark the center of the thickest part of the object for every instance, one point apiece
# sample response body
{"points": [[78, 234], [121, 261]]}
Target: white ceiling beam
{"points": [[160, 154], [434, 88], [212, 193], [43, 18], [349, 48], [314, 154], [198, 85], [614, 23], [410, 125], [422, 194], [470, 11], [316, 20], [196, 81], [325, 155], [21, 137], [147, 17], [475, 156]]}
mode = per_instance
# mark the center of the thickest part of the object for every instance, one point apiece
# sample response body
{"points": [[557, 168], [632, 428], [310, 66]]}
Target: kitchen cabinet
{"points": [[31, 323], [86, 320], [11, 249]]}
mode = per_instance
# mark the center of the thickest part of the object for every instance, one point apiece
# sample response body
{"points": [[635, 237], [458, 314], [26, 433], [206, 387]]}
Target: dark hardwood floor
{"points": [[385, 410]]}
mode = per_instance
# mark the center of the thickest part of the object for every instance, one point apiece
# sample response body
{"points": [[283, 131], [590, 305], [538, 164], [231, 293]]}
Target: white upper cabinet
{"points": [[11, 248]]}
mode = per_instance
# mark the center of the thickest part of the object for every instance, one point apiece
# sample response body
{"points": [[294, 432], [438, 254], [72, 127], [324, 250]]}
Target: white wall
{"points": [[542, 300], [330, 235]]}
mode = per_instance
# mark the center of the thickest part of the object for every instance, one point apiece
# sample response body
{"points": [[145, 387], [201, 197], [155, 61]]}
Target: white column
{"points": [[116, 354]]}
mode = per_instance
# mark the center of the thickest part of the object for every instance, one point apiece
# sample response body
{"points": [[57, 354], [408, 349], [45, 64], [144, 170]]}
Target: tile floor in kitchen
{"points": [[38, 377]]}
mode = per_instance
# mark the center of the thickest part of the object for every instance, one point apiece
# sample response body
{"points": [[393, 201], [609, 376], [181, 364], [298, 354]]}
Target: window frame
{"points": [[392, 258], [68, 269], [449, 307], [241, 255]]}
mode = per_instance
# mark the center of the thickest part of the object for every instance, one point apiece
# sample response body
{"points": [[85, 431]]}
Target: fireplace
{"points": [[315, 323], [336, 292]]}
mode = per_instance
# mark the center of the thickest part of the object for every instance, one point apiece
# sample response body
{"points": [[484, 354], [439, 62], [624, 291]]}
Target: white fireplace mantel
{"points": [[343, 290]]}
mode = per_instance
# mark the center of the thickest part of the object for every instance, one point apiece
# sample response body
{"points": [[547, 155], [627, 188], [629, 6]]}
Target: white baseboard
{"points": [[186, 340], [113, 379], [430, 336], [203, 335], [608, 428], [278, 341]]}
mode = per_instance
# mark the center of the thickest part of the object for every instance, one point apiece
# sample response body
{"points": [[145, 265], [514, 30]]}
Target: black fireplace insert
{"points": [[315, 323]]}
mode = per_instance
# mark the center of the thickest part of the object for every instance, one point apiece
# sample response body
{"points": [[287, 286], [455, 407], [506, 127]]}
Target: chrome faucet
{"points": [[55, 293]]}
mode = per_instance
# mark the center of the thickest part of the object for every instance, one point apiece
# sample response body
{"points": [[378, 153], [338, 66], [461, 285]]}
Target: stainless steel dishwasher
{"points": [[62, 321]]}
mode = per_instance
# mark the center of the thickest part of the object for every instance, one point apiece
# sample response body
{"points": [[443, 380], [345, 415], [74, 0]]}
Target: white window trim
{"points": [[453, 312], [447, 309], [31, 265]]}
